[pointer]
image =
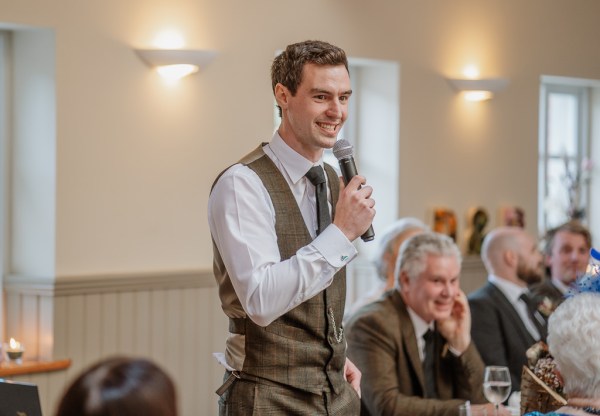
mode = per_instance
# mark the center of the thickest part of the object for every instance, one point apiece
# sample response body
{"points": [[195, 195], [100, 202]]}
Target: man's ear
{"points": [[282, 95], [511, 258], [404, 281]]}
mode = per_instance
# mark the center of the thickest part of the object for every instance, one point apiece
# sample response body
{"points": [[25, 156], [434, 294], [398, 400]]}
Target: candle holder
{"points": [[14, 351], [15, 356]]}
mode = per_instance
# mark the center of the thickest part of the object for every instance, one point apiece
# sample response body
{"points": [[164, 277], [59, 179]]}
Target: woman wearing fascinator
{"points": [[574, 342]]}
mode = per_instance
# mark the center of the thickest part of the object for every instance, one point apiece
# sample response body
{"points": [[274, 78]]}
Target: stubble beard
{"points": [[529, 275]]}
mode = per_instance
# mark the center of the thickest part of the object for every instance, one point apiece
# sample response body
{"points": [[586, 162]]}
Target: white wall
{"points": [[112, 111], [135, 158]]}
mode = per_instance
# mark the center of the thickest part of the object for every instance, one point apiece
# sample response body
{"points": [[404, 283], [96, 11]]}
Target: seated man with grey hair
{"points": [[413, 345], [384, 258]]}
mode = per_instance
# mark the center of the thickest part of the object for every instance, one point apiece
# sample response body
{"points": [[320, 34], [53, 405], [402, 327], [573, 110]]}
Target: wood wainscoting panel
{"points": [[170, 320]]}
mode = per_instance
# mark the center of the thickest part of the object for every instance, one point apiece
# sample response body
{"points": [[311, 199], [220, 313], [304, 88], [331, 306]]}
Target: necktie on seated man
{"points": [[429, 365], [316, 176], [534, 315]]}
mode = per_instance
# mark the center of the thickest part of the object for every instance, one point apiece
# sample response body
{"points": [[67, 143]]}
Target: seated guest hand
{"points": [[456, 329]]}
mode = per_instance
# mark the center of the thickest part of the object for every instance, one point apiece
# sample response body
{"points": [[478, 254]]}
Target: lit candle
{"points": [[15, 351]]}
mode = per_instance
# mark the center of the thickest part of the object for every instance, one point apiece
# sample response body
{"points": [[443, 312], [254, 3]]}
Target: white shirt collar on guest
{"points": [[420, 327], [511, 290]]}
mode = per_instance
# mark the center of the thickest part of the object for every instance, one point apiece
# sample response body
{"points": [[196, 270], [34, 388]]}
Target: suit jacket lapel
{"points": [[409, 339], [509, 311], [557, 293]]}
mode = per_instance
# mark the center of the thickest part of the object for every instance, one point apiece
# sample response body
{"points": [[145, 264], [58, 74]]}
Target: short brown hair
{"points": [[120, 386], [574, 227], [287, 67]]}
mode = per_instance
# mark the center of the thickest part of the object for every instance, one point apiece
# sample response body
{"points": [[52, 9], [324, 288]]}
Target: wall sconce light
{"points": [[174, 64], [479, 89]]}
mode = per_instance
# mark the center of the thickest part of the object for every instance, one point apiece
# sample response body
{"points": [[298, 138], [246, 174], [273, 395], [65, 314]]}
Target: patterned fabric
{"points": [[249, 399], [300, 348], [383, 345], [297, 362]]}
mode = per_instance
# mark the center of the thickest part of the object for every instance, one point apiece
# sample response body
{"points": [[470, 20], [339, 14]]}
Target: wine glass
{"points": [[496, 385]]}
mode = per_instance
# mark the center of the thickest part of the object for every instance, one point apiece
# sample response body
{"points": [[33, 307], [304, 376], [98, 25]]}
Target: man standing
{"points": [[282, 231], [413, 345], [567, 252], [505, 324]]}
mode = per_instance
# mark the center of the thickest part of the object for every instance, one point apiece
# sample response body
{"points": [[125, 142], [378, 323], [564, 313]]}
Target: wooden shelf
{"points": [[30, 367]]}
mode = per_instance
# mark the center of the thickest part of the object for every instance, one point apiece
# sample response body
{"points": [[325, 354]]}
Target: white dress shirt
{"points": [[420, 327], [242, 223], [513, 292]]}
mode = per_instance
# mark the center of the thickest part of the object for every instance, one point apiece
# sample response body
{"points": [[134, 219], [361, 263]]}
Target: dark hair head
{"points": [[120, 386], [574, 227], [287, 67]]}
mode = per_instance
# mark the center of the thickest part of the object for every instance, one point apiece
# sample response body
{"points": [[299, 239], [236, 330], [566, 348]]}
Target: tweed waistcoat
{"points": [[304, 348]]}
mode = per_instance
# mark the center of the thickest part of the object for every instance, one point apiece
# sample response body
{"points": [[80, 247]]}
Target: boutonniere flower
{"points": [[546, 306]]}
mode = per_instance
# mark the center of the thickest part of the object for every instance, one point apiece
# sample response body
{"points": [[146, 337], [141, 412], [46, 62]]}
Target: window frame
{"points": [[5, 128], [581, 92]]}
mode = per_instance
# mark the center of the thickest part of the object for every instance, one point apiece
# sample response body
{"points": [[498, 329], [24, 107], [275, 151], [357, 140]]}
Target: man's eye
{"points": [[320, 97], [344, 98]]}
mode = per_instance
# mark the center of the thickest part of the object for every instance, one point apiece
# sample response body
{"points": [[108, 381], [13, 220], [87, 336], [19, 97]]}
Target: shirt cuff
{"points": [[335, 247], [454, 351]]}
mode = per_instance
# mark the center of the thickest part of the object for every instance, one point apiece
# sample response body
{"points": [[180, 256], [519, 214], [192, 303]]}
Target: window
{"points": [[27, 146], [564, 159]]}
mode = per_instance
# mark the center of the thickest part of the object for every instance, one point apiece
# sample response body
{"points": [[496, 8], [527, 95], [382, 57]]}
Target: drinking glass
{"points": [[496, 385]]}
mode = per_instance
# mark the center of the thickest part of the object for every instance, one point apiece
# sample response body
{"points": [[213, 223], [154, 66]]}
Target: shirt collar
{"points": [[419, 323], [292, 162], [511, 290], [564, 289]]}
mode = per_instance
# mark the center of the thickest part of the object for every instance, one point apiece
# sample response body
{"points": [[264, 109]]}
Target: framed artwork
{"points": [[478, 219], [512, 216], [444, 222]]}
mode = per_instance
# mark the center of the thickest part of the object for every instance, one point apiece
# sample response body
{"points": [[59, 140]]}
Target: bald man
{"points": [[504, 322]]}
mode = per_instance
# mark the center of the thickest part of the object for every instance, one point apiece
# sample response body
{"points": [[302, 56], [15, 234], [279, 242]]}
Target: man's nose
{"points": [[335, 109]]}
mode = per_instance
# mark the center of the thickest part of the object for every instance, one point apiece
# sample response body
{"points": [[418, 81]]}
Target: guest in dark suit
{"points": [[504, 322], [402, 373], [567, 252]]}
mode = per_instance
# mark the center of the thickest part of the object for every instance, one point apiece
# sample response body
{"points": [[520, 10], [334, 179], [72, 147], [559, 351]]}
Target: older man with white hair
{"points": [[413, 345], [384, 258]]}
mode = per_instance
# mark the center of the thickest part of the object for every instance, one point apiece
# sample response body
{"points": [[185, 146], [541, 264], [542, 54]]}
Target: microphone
{"points": [[342, 150]]}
